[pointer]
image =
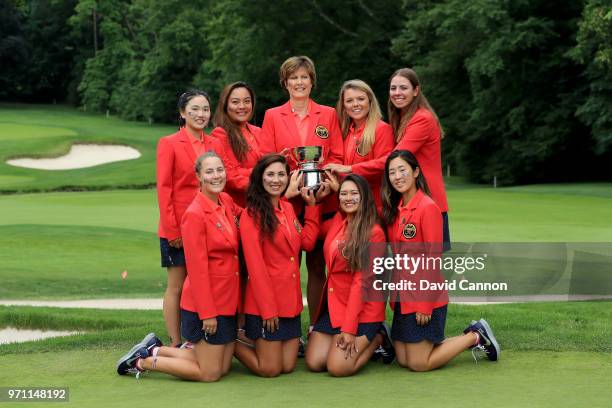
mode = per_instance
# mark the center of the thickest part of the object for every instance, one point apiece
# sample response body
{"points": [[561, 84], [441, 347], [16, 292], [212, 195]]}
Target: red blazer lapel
{"points": [[332, 256], [209, 208], [289, 121], [292, 222], [184, 139]]}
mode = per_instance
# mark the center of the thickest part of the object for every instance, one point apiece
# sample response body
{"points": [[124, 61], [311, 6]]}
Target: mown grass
{"points": [[79, 262], [558, 326], [77, 244], [521, 379], [553, 355]]}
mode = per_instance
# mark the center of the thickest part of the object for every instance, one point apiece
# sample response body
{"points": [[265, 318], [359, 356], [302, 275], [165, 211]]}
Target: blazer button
{"points": [[237, 273], [293, 275], [235, 256], [292, 259], [331, 289]]}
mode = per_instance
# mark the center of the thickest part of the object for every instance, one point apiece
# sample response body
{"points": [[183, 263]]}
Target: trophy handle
{"points": [[323, 151]]}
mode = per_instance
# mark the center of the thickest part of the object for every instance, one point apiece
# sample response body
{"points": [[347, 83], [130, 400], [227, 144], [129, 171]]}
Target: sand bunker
{"points": [[79, 157], [13, 335]]}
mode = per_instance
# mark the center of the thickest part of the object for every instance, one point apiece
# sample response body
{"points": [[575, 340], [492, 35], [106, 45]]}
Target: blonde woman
{"points": [[366, 136]]}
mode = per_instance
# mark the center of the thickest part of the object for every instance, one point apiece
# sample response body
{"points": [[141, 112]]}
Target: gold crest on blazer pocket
{"points": [[322, 132], [409, 231]]}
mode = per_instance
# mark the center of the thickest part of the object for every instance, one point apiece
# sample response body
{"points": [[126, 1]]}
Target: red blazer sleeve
{"points": [[354, 305], [259, 277], [336, 144], [431, 225], [196, 253], [165, 167], [417, 132], [267, 141], [310, 232], [383, 145]]}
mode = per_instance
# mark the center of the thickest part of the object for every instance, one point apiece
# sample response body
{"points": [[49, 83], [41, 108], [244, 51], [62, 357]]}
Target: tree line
{"points": [[523, 88]]}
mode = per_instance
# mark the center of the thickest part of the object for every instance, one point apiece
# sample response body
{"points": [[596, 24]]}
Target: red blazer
{"points": [[212, 287], [344, 289], [241, 169], [177, 184], [367, 166], [279, 131], [422, 138], [273, 288], [422, 219]]}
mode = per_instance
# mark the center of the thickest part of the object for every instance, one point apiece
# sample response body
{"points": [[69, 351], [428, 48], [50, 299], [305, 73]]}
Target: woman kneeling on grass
{"points": [[414, 221], [272, 239], [349, 328], [211, 291]]}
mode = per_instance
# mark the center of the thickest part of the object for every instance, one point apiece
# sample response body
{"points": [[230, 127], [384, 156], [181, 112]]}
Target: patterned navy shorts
{"points": [[405, 328], [323, 325], [288, 328], [191, 328], [170, 256]]}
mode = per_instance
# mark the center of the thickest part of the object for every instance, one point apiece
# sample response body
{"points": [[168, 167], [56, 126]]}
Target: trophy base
{"points": [[312, 178]]}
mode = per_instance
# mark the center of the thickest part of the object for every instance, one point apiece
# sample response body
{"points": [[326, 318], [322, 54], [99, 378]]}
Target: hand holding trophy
{"points": [[308, 159]]}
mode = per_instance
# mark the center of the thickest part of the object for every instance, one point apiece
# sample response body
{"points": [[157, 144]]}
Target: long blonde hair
{"points": [[374, 115], [399, 118]]}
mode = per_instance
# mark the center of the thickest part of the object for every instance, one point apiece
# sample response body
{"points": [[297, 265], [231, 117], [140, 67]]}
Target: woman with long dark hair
{"points": [[240, 139], [272, 239], [348, 328], [414, 227]]}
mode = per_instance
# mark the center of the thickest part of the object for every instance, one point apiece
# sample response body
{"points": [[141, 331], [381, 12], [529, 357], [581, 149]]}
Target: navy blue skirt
{"points": [[191, 329], [406, 330], [324, 325], [288, 328], [170, 256]]}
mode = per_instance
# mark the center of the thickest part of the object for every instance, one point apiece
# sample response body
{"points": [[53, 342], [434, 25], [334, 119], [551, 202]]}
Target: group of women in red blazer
{"points": [[232, 232]]}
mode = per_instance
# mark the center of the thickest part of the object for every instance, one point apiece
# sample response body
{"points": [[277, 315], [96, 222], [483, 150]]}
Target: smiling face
{"points": [[356, 105], [401, 92], [402, 177], [349, 197], [299, 84], [212, 176], [240, 105], [196, 113], [275, 179]]}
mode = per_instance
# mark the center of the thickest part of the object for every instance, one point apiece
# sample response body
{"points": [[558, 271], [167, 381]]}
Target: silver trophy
{"points": [[308, 158]]}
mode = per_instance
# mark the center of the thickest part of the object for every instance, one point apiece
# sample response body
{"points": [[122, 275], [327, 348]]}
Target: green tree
{"points": [[498, 74], [594, 50], [37, 50], [149, 51], [14, 50], [250, 40]]}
